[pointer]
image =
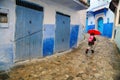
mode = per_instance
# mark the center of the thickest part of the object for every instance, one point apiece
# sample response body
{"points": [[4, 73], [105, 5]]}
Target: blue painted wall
{"points": [[74, 35], [48, 46], [7, 35], [100, 11], [7, 44], [97, 9], [6, 56], [48, 41], [108, 28], [90, 27]]}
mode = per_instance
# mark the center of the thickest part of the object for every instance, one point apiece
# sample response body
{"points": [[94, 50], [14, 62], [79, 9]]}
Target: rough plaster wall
{"points": [[8, 32], [76, 18], [95, 3], [82, 15], [109, 15], [50, 12], [91, 19], [7, 35], [82, 19]]}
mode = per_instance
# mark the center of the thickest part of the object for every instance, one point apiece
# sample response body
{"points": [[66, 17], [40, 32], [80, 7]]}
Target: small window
{"points": [[3, 18]]}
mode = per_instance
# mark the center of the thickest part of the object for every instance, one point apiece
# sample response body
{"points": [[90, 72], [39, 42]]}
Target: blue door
{"points": [[100, 25], [28, 33], [62, 33]]}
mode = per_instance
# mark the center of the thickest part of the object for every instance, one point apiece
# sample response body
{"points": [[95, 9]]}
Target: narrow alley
{"points": [[47, 39], [104, 64]]}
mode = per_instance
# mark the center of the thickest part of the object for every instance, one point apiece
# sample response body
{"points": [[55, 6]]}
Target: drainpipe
{"points": [[114, 6], [114, 26]]}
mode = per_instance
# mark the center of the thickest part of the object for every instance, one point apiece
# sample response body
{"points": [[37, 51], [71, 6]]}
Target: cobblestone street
{"points": [[104, 64]]}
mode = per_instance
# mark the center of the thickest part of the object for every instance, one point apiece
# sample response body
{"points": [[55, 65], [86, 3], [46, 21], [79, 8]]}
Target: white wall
{"points": [[109, 15], [77, 17], [95, 3], [50, 9], [82, 17], [7, 34], [91, 19]]}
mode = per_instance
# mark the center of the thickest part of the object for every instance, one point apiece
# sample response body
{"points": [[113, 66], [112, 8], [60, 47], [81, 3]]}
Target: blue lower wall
{"points": [[6, 56], [48, 46], [74, 35], [90, 27], [48, 39], [107, 30]]}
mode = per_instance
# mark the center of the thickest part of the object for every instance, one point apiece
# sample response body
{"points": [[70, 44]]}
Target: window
{"points": [[3, 18]]}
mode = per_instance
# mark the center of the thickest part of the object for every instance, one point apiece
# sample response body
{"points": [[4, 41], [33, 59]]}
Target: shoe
{"points": [[86, 51], [92, 51]]}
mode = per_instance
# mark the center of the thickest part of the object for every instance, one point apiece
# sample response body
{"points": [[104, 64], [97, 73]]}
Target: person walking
{"points": [[91, 42]]}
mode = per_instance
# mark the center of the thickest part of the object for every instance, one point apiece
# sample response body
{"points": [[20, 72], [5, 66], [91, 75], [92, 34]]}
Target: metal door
{"points": [[100, 25], [28, 33], [62, 34], [66, 33]]}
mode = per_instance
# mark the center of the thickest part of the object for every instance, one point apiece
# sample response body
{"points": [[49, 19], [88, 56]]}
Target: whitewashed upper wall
{"points": [[95, 3], [91, 19], [51, 9], [82, 17], [7, 34], [109, 14]]}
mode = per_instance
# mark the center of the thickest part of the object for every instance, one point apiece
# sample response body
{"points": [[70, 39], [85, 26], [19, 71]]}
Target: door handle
{"points": [[30, 21], [63, 40]]}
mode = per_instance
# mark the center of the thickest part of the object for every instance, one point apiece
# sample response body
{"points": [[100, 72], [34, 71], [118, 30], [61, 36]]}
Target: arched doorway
{"points": [[100, 25]]}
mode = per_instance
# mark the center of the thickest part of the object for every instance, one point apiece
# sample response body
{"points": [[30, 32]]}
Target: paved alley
{"points": [[104, 64]]}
